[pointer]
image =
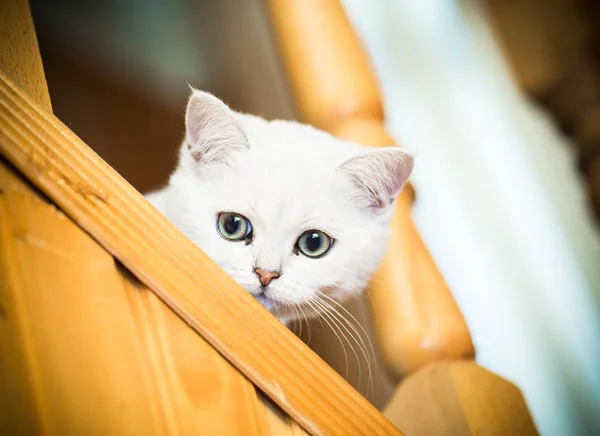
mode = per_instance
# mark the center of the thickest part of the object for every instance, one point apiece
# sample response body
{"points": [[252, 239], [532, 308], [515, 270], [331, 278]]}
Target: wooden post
{"points": [[423, 335], [459, 398], [416, 318]]}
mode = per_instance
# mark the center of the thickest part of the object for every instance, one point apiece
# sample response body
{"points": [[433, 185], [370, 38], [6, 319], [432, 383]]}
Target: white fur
{"points": [[286, 178]]}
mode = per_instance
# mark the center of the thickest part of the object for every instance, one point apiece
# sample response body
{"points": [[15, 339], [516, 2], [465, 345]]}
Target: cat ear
{"points": [[212, 132], [379, 175]]}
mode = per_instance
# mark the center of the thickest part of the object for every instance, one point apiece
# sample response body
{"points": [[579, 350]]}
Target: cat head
{"points": [[294, 215]]}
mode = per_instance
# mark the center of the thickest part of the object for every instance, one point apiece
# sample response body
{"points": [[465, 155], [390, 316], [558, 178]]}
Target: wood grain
{"points": [[459, 398], [19, 52], [127, 226], [63, 308], [200, 391], [277, 423], [416, 318], [86, 349]]}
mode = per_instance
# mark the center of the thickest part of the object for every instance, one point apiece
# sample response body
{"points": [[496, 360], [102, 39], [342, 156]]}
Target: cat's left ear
{"points": [[212, 132], [379, 176]]}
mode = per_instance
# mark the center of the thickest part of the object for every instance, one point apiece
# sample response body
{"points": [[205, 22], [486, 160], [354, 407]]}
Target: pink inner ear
{"points": [[399, 179], [380, 175], [212, 132], [194, 126], [193, 134], [378, 203], [195, 122], [381, 201], [196, 155]]}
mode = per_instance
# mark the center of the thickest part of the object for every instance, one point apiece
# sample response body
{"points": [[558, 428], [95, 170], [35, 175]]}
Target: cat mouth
{"points": [[267, 302]]}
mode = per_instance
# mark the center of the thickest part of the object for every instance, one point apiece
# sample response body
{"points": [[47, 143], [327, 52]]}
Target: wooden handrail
{"points": [[86, 349], [127, 226], [459, 398], [416, 318], [19, 52]]}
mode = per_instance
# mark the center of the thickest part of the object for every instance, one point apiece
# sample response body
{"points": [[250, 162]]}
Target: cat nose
{"points": [[265, 277]]}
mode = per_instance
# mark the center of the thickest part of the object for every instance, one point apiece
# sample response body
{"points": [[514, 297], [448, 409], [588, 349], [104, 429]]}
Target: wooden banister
{"points": [[86, 349], [423, 335], [459, 398], [416, 318], [232, 324], [19, 52]]}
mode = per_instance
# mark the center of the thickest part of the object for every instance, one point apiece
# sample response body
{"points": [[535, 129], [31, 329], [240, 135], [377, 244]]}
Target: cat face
{"points": [[294, 215]]}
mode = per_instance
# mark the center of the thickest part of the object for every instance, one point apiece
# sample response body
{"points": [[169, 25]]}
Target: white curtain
{"points": [[500, 203]]}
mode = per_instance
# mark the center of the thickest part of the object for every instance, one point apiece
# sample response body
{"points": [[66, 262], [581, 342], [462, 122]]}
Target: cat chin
{"points": [[271, 305], [284, 313]]}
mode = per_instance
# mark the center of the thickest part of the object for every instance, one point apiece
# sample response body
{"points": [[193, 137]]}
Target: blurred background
{"points": [[499, 100]]}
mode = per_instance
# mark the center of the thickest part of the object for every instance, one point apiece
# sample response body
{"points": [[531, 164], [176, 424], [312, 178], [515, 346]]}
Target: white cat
{"points": [[294, 215]]}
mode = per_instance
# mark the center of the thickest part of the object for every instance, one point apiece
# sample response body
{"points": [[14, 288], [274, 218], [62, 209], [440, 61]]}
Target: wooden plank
{"points": [[201, 392], [278, 423], [416, 318], [459, 398], [116, 215], [75, 327], [69, 354], [19, 53], [18, 408]]}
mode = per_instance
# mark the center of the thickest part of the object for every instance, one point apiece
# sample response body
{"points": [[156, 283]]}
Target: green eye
{"points": [[233, 226], [314, 244]]}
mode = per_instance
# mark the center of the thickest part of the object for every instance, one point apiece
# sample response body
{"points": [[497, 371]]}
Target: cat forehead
{"points": [[284, 196], [280, 139], [288, 161], [287, 176], [284, 193]]}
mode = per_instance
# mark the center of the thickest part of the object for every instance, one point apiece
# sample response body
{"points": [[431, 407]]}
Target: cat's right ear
{"points": [[212, 132], [379, 175]]}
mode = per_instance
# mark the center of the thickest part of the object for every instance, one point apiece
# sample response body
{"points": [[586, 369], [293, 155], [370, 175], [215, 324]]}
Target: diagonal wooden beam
{"points": [[19, 52]]}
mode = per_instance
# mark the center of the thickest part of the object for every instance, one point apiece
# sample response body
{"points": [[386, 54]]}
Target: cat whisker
{"points": [[320, 312], [296, 309], [292, 325], [297, 323], [371, 349], [307, 324], [327, 311], [361, 345]]}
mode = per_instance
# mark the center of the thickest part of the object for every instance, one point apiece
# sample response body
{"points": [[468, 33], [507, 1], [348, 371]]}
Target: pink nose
{"points": [[265, 277]]}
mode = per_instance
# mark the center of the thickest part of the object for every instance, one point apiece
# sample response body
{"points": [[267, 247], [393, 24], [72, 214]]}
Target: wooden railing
{"points": [[112, 322], [415, 315], [422, 334]]}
